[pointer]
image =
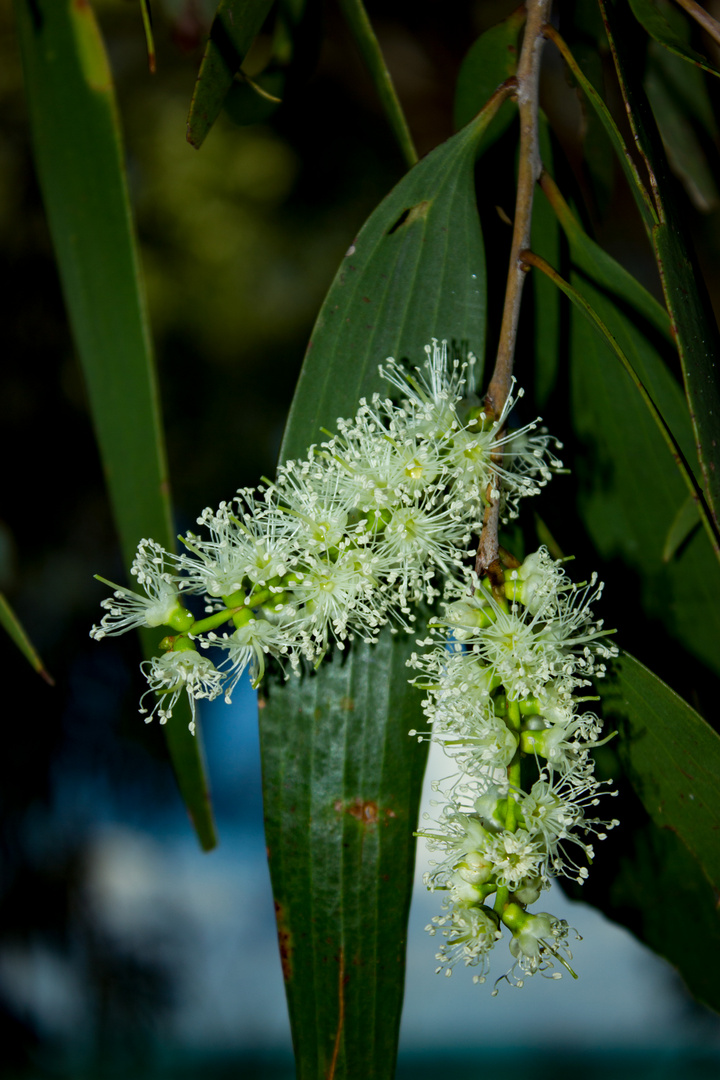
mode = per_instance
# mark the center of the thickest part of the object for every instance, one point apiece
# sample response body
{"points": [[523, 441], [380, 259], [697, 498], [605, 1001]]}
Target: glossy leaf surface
{"points": [[672, 757], [341, 776]]}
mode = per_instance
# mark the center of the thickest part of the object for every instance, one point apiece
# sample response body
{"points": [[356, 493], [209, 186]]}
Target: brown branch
{"points": [[710, 25], [528, 78]]}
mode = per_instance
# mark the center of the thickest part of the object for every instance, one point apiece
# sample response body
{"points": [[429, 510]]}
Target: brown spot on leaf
{"points": [[284, 942]]}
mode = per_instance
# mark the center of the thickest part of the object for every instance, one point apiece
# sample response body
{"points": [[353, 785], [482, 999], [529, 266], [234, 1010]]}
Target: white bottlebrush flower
{"points": [[526, 650], [512, 463], [250, 545], [338, 596], [538, 943], [419, 541], [430, 394], [311, 494], [470, 932], [248, 646], [173, 673], [160, 606], [515, 856], [383, 461]]}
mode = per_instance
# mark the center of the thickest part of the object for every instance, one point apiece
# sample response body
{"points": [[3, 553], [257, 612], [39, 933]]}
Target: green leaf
{"points": [[670, 441], [661, 22], [416, 271], [672, 757], [236, 24], [683, 113], [628, 489], [547, 328], [78, 149], [12, 625], [694, 324], [489, 62], [341, 793], [341, 777], [668, 869], [361, 29], [637, 187], [645, 878], [684, 522]]}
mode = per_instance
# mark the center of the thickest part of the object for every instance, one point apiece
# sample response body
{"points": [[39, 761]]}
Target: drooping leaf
{"points": [[16, 631], [236, 24], [660, 19], [684, 522], [693, 321], [341, 776], [665, 874], [672, 757], [367, 42], [629, 488], [636, 184], [78, 150], [546, 301], [663, 427], [646, 879], [681, 106], [489, 62]]}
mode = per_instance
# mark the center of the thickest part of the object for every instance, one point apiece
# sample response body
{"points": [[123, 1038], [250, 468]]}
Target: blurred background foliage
{"points": [[239, 244]]}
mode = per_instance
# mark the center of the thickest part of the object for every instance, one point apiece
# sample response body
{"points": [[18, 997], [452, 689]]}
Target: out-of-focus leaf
{"points": [[78, 149], [361, 29], [639, 191], [489, 62], [660, 20], [235, 25], [254, 102], [682, 525], [12, 625], [149, 39], [672, 757], [680, 101], [694, 325], [341, 777]]}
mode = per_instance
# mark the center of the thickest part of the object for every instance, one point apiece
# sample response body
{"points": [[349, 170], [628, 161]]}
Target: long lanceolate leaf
{"points": [[80, 164], [341, 777], [694, 325], [663, 427]]}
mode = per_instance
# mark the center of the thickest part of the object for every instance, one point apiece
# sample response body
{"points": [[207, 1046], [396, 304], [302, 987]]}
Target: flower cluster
{"points": [[345, 540], [504, 671]]}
